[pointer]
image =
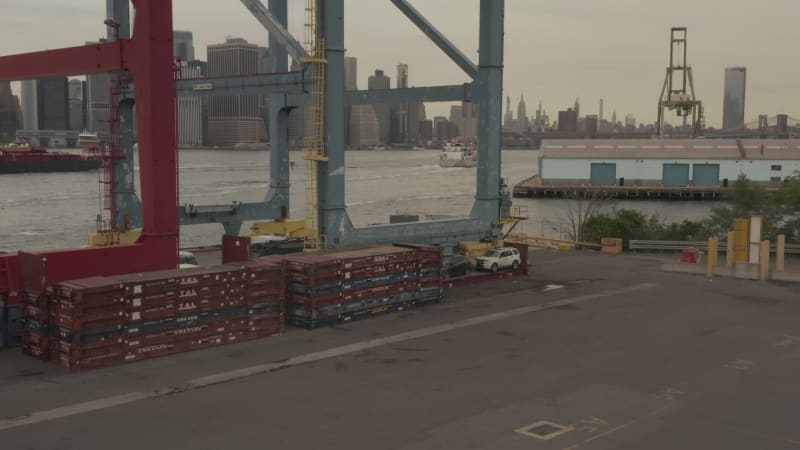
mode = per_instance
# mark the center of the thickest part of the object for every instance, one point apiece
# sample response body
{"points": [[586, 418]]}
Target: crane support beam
{"points": [[270, 83], [276, 30], [437, 37], [95, 58], [454, 93], [148, 57], [276, 201], [490, 79]]}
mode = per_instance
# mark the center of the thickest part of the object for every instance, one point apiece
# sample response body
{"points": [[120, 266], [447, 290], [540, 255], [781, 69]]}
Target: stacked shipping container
{"points": [[325, 288], [103, 321]]}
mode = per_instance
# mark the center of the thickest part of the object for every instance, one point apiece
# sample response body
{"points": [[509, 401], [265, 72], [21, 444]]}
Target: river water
{"points": [[46, 211]]}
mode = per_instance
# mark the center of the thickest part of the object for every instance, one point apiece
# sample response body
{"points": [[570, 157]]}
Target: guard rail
{"points": [[789, 249]]}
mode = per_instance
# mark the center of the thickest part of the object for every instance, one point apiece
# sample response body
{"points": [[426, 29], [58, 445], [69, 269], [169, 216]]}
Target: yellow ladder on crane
{"points": [[314, 140]]}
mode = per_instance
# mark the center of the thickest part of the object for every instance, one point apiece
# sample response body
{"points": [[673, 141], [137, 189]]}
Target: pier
{"points": [[534, 188]]}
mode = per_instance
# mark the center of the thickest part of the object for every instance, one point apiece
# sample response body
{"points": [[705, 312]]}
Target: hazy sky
{"points": [[555, 50]]}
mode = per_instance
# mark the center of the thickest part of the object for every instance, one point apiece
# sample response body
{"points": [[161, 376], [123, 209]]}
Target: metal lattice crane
{"points": [[678, 91], [314, 140]]}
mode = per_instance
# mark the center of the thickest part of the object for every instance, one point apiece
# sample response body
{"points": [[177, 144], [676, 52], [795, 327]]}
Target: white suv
{"points": [[499, 258]]}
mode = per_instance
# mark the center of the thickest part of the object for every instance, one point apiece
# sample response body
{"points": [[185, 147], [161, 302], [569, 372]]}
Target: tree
{"points": [[787, 202], [624, 223], [581, 208], [744, 200]]}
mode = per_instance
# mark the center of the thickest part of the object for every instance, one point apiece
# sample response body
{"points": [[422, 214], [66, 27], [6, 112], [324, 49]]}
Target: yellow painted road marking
{"points": [[621, 427], [527, 430]]}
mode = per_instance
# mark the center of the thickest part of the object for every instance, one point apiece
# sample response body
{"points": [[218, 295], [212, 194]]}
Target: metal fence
{"points": [[665, 246]]}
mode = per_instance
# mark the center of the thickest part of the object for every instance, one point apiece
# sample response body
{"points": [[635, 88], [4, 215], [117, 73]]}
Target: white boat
{"points": [[455, 154]]}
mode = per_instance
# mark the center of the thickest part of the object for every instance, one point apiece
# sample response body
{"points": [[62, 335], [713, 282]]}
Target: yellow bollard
{"points": [[741, 239], [764, 260], [780, 252], [730, 254], [713, 253]]}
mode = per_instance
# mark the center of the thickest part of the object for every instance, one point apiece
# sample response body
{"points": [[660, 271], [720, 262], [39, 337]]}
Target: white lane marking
{"points": [[552, 287], [77, 408], [233, 375]]}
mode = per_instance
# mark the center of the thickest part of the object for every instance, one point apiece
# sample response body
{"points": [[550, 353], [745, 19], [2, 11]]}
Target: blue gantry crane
{"points": [[288, 90]]}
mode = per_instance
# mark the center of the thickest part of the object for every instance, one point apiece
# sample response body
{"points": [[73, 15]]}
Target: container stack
{"points": [[336, 286], [35, 307], [431, 261], [265, 294], [103, 321], [3, 321], [86, 324]]}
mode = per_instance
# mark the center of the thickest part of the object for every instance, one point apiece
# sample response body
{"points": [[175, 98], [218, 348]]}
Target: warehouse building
{"points": [[667, 162]]}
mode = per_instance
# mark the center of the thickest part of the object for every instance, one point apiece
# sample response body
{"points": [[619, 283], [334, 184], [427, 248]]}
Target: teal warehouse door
{"points": [[604, 174], [706, 175], [676, 175]]}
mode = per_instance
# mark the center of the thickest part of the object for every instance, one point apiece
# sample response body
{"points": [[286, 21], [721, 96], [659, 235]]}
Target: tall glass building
{"points": [[733, 104]]}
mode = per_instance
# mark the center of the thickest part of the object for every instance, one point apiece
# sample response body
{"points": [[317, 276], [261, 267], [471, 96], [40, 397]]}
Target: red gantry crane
{"points": [[147, 56]]}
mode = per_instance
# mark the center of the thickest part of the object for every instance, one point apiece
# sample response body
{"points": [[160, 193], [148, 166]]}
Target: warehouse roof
{"points": [[705, 149]]}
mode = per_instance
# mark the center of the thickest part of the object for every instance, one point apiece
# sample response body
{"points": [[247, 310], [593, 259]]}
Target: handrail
{"points": [[524, 238]]}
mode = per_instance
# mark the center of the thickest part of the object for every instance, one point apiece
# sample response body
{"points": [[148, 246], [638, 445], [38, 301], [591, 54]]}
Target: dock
{"points": [[533, 187]]}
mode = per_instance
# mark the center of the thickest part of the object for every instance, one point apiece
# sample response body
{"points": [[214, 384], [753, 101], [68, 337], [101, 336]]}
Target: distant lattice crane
{"points": [[678, 92]]}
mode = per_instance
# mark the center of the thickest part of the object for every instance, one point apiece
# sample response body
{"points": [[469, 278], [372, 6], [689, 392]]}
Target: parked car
{"points": [[187, 260], [499, 258], [456, 266]]}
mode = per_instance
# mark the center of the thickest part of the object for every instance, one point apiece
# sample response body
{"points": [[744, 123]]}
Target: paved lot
{"points": [[589, 352]]}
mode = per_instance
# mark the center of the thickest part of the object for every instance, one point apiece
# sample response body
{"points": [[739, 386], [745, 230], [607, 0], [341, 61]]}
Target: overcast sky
{"points": [[556, 50]]}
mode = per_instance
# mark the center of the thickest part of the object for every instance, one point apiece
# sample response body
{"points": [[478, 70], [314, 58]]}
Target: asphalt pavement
{"points": [[590, 351]]}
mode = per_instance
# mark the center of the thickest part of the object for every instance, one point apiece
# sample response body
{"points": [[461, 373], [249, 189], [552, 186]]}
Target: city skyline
{"points": [[599, 58]]}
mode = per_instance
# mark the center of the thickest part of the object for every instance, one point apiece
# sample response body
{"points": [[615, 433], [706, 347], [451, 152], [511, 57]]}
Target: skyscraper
{"points": [[402, 76], [263, 60], [76, 105], [350, 73], [383, 110], [469, 120], [568, 120], [234, 119], [183, 44], [522, 115], [52, 96], [351, 84], [190, 112], [600, 114], [30, 115], [364, 126], [98, 102], [508, 119], [630, 122], [400, 122], [9, 118], [734, 101]]}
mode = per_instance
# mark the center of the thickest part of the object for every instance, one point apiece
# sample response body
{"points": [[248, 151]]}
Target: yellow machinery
{"points": [[289, 228], [314, 140], [116, 238], [474, 249]]}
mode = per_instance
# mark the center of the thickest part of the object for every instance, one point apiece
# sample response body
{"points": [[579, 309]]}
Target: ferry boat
{"points": [[20, 157], [455, 154]]}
